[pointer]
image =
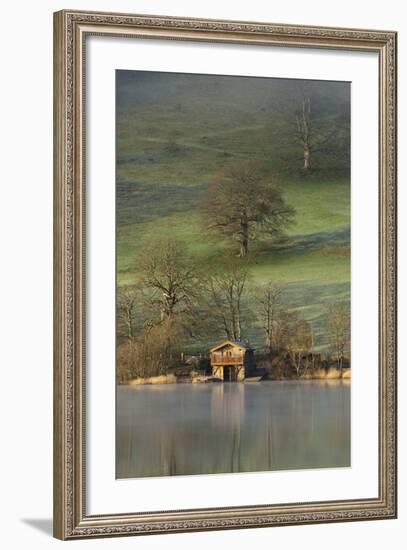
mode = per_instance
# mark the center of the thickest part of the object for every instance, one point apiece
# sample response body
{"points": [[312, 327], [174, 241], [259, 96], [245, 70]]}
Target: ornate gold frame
{"points": [[70, 518]]}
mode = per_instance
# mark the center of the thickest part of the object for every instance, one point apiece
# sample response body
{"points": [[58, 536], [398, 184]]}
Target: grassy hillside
{"points": [[174, 136]]}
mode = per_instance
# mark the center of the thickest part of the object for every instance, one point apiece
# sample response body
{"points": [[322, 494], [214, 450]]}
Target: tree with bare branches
{"points": [[303, 121], [312, 134], [226, 290], [126, 311], [170, 277], [269, 302], [338, 330], [167, 295], [294, 335], [243, 201], [158, 348], [298, 340]]}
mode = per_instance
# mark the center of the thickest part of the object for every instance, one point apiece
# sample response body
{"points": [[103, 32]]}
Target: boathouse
{"points": [[231, 360]]}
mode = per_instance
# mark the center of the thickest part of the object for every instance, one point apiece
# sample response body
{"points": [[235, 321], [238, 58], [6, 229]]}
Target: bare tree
{"points": [[170, 277], [312, 349], [226, 290], [310, 132], [171, 287], [152, 352], [126, 309], [158, 348], [269, 302], [303, 120], [242, 201], [338, 330], [125, 361], [298, 340], [281, 329]]}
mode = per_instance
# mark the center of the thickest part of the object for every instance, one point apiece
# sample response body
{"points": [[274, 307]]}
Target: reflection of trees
{"points": [[234, 428], [227, 405]]}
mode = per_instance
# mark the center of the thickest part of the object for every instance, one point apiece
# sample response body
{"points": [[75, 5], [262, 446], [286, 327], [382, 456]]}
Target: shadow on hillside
{"points": [[313, 241]]}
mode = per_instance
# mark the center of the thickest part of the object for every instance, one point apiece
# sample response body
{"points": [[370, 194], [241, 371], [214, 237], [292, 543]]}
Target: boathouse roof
{"points": [[233, 343]]}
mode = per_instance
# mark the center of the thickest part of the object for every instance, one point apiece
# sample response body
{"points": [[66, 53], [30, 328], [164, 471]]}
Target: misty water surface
{"points": [[182, 429]]}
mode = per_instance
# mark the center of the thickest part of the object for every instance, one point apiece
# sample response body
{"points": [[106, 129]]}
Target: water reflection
{"points": [[233, 427]]}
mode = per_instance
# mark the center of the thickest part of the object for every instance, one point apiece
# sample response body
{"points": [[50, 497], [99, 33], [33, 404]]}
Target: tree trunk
{"points": [[129, 323], [227, 331], [238, 334], [307, 158], [269, 339], [244, 239], [168, 303], [269, 342]]}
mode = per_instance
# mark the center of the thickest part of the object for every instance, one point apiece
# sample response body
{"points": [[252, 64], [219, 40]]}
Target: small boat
{"points": [[253, 378]]}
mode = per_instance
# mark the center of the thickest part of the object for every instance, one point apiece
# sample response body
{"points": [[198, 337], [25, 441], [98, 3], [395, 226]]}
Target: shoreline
{"points": [[333, 374]]}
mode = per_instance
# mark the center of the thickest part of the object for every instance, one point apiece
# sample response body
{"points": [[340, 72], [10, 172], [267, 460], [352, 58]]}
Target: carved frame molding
{"points": [[70, 31]]}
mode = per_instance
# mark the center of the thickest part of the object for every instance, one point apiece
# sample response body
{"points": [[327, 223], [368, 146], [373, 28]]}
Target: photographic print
{"points": [[206, 265], [233, 274]]}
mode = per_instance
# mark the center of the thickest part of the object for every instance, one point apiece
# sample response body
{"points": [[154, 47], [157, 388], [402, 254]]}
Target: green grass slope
{"points": [[169, 146]]}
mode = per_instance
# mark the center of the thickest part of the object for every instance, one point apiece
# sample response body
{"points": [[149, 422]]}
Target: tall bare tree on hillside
{"points": [[226, 290], [243, 201], [170, 277], [304, 129], [169, 287], [269, 302], [311, 133], [127, 301]]}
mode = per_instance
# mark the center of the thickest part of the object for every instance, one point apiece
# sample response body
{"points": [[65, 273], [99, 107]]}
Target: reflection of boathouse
{"points": [[231, 360]]}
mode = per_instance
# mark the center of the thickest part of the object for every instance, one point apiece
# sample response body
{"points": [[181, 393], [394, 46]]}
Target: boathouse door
{"points": [[229, 374]]}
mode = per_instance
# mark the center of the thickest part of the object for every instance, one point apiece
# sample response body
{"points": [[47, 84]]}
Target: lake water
{"points": [[183, 429]]}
